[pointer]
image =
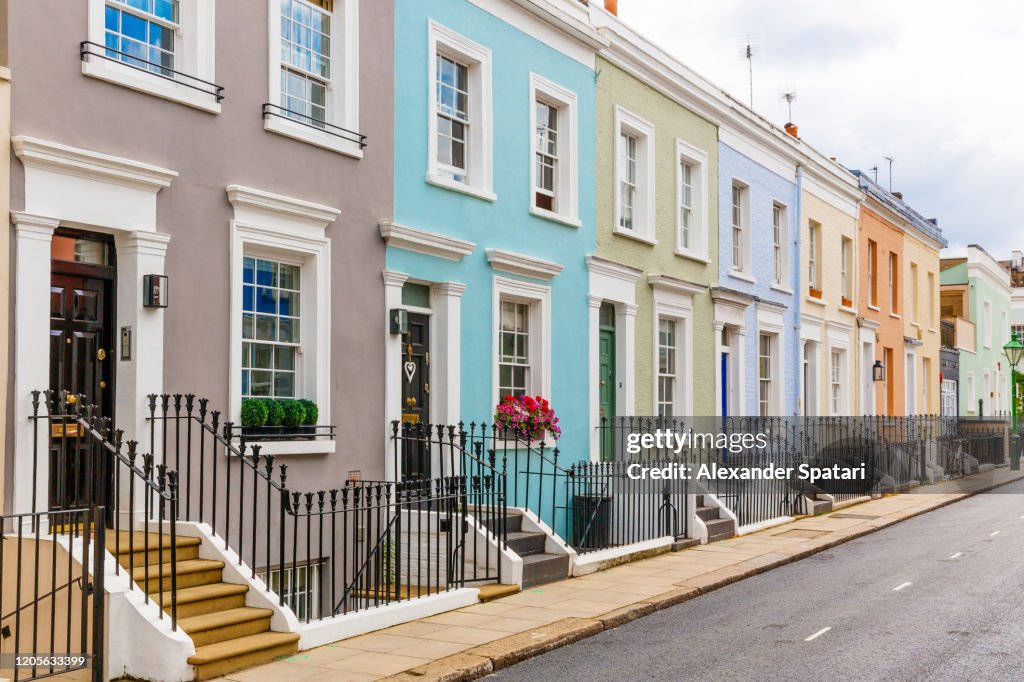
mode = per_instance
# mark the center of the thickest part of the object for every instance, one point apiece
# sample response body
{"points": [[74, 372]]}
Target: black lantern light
{"points": [[878, 371]]}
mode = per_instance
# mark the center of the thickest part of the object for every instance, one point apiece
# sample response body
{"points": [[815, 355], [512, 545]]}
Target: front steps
{"points": [[718, 528], [539, 567], [227, 634]]}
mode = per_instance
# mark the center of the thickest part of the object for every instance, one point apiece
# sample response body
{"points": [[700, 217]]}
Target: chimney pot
{"points": [[792, 129], [612, 6]]}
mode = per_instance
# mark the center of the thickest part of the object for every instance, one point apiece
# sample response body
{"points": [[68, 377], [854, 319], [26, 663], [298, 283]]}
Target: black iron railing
{"points": [[91, 465], [52, 603], [89, 49], [365, 544], [314, 123]]}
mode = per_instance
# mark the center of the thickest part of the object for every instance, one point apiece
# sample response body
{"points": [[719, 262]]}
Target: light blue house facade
{"points": [[494, 212], [757, 306]]}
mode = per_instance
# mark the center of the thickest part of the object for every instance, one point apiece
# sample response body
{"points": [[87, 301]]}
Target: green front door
{"points": [[606, 379]]}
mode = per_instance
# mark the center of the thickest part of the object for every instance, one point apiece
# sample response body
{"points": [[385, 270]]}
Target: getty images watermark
{"points": [[746, 456]]}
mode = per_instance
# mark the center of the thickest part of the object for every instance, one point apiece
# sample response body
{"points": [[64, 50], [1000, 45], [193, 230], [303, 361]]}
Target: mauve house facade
{"points": [[244, 151]]}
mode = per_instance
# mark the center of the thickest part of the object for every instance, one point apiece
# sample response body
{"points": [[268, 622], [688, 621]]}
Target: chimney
{"points": [[898, 195], [934, 221], [792, 129], [612, 6]]}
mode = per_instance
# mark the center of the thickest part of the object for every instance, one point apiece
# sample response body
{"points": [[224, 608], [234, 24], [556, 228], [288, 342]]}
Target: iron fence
{"points": [[368, 543], [52, 602]]}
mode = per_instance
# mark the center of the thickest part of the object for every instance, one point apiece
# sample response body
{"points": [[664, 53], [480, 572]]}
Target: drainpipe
{"points": [[797, 295]]}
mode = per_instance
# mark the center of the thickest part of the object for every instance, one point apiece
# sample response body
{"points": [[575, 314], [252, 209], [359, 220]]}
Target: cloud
{"points": [[925, 82]]}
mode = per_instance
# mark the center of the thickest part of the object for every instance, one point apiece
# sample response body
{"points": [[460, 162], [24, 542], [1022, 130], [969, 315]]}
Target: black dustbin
{"points": [[591, 521]]}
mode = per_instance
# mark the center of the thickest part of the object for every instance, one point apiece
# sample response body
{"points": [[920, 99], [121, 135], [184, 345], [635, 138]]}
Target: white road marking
{"points": [[900, 587], [957, 555], [994, 533], [818, 634]]}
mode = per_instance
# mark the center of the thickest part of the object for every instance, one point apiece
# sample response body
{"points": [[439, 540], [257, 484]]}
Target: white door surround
{"points": [[102, 193]]}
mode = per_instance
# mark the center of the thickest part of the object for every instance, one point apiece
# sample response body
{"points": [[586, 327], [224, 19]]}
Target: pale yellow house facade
{"points": [[921, 322], [830, 343], [5, 275]]}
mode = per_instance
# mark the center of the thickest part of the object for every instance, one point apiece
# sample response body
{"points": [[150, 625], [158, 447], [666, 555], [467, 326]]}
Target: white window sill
{"points": [[816, 301], [633, 234], [462, 188], [848, 309], [915, 324], [555, 217], [319, 138], [781, 289], [295, 447], [874, 307], [895, 316], [151, 84], [739, 275], [932, 330], [690, 255]]}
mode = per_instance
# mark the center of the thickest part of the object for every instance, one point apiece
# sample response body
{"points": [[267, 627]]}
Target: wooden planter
{"points": [[815, 293]]}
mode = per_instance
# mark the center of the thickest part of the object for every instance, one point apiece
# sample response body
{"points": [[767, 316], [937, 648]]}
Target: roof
{"points": [[900, 208]]}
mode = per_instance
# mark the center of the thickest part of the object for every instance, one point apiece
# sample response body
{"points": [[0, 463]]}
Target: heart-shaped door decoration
{"points": [[410, 370]]}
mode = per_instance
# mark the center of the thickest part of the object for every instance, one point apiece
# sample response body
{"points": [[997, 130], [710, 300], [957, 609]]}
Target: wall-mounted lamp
{"points": [[878, 371], [154, 291], [399, 318]]}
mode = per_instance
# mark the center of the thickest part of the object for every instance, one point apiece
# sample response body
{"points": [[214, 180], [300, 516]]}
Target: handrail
{"points": [[206, 87]]}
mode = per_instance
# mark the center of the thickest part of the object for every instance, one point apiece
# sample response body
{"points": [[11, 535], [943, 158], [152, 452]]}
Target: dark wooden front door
{"points": [[416, 393], [81, 363]]}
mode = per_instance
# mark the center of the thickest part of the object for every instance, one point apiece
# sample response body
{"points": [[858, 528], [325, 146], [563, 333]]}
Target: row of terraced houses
{"points": [[402, 212]]}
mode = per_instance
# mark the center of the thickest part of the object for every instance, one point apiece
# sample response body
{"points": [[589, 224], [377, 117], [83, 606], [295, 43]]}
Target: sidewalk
{"points": [[472, 641]]}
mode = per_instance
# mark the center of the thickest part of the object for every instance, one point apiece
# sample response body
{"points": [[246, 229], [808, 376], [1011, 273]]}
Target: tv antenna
{"points": [[889, 159], [748, 51], [789, 97], [874, 171]]}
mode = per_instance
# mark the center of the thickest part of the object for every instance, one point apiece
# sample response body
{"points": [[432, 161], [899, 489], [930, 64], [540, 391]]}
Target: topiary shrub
{"points": [[294, 413], [254, 412], [312, 412], [275, 412]]}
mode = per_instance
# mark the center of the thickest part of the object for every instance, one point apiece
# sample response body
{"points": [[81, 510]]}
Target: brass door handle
{"points": [[410, 401]]}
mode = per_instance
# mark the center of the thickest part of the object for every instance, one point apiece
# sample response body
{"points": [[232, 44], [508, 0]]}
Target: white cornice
{"points": [[247, 199], [980, 264], [553, 13], [61, 158], [729, 297], [519, 264], [673, 285], [421, 241], [600, 266]]}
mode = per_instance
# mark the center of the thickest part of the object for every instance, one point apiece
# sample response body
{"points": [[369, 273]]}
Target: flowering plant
{"points": [[529, 417]]}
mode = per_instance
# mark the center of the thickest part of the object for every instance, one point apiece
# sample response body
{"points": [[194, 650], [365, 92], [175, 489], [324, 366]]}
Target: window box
{"points": [[814, 293], [284, 433], [847, 302]]}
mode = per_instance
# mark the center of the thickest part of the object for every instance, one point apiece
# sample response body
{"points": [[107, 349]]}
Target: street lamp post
{"points": [[1014, 351]]}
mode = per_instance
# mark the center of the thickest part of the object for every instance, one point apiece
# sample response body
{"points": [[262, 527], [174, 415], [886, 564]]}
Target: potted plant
{"points": [[815, 293], [847, 302], [529, 418], [312, 413], [253, 416], [294, 415]]}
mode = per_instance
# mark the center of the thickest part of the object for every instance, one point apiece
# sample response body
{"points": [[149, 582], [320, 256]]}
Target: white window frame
{"points": [[770, 409], [948, 393], [629, 123], [780, 244], [479, 160], [292, 230], [194, 55], [846, 268], [915, 293], [894, 298], [342, 91], [872, 274], [279, 258], [675, 375], [567, 210], [972, 395], [740, 252], [814, 255], [931, 300], [986, 323], [837, 375], [539, 298], [313, 569], [673, 299], [699, 240]]}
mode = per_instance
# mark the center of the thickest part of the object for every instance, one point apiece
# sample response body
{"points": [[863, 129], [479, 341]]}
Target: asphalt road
{"points": [[938, 597]]}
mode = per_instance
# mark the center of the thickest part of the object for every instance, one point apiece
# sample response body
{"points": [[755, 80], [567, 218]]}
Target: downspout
{"points": [[798, 359]]}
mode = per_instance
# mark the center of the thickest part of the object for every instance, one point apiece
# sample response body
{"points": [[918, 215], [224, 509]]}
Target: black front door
{"points": [[81, 360], [416, 394]]}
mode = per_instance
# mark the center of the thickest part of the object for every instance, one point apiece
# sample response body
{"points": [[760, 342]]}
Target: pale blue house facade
{"points": [[494, 212], [757, 305]]}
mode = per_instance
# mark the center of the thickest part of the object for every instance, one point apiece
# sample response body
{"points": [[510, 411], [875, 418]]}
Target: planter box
{"points": [[847, 302], [814, 293], [278, 433]]}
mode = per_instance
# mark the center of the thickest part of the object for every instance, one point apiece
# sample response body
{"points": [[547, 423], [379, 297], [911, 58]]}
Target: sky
{"points": [[933, 84]]}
